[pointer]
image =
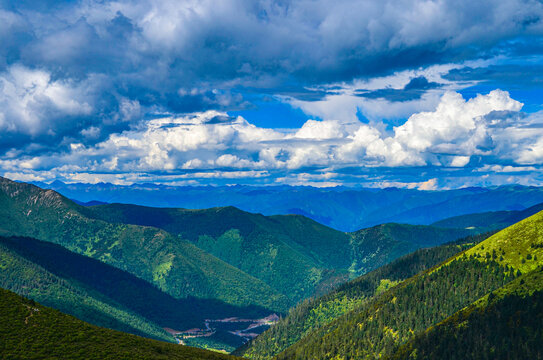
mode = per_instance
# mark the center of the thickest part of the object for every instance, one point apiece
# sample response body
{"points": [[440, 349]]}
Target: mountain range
{"points": [[192, 265], [342, 208], [213, 278]]}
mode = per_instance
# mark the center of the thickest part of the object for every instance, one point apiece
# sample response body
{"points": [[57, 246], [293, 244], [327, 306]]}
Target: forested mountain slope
{"points": [[379, 245], [314, 313], [284, 251], [31, 331], [101, 294], [175, 265], [292, 254], [379, 326], [505, 324]]}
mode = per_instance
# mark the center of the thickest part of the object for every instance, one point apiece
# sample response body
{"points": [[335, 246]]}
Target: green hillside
{"points": [[315, 313], [519, 246], [31, 331], [292, 254], [175, 265], [380, 325], [506, 324]]}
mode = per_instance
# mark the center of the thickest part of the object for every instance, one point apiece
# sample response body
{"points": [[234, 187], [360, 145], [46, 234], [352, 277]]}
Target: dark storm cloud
{"points": [[171, 44], [411, 91], [521, 74]]}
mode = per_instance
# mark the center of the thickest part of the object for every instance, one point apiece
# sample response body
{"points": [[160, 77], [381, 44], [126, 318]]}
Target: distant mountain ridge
{"points": [[488, 221], [342, 208]]}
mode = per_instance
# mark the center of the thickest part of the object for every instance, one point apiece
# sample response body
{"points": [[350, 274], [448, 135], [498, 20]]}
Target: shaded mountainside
{"points": [[175, 265], [342, 208], [101, 294], [32, 331], [379, 326], [505, 324], [30, 280], [314, 313]]}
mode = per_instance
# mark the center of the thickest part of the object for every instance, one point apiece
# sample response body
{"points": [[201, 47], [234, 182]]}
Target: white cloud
{"points": [[199, 145], [531, 153], [313, 129], [455, 120], [460, 161], [32, 103]]}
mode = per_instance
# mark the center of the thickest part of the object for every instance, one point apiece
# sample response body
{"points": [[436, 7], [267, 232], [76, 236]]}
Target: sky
{"points": [[415, 94]]}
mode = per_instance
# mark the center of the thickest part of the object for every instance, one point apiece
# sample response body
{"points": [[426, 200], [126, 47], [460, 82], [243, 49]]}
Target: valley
{"points": [[237, 330], [271, 180], [343, 208], [261, 287]]}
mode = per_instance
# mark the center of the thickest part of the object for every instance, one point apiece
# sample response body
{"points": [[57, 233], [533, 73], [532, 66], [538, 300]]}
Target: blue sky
{"points": [[417, 94]]}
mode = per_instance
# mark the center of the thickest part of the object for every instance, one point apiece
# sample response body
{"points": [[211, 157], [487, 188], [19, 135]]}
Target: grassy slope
{"points": [[519, 246], [176, 266], [376, 328], [31, 331], [484, 329], [315, 313]]}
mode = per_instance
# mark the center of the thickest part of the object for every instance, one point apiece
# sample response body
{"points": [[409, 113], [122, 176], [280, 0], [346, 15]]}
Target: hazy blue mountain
{"points": [[345, 209], [488, 221]]}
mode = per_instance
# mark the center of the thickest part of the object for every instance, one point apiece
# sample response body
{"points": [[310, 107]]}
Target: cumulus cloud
{"points": [[30, 101], [106, 86], [455, 123], [194, 145], [41, 112]]}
